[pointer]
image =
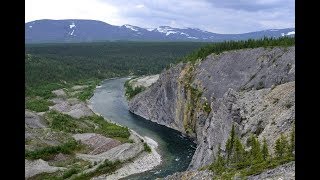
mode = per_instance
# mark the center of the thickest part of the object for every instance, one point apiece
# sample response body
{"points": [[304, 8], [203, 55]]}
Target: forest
{"points": [[52, 66]]}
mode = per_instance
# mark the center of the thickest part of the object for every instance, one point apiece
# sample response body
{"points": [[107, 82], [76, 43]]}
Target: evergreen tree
{"points": [[281, 146], [255, 152], [239, 152], [218, 165], [265, 151], [230, 142], [292, 143], [228, 148]]}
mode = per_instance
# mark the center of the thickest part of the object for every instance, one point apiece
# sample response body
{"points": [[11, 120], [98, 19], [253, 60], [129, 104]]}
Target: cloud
{"points": [[220, 16], [140, 6], [252, 5]]}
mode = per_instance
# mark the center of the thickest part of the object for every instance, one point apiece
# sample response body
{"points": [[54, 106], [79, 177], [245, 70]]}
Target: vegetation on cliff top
{"points": [[217, 48]]}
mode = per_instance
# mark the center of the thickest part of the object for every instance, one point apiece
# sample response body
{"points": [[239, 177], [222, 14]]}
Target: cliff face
{"points": [[251, 88]]}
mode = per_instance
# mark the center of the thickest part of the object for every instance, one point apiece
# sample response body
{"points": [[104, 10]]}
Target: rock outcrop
{"points": [[285, 171], [254, 89], [39, 166]]}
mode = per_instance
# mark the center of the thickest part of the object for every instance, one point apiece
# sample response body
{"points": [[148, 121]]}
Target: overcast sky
{"points": [[219, 16]]}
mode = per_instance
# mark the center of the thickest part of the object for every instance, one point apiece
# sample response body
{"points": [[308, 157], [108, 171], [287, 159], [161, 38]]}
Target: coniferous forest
{"points": [[49, 66], [53, 66]]}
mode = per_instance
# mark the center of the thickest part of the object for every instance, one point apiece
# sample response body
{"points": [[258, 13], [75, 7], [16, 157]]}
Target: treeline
{"points": [[51, 66], [253, 161], [233, 45]]}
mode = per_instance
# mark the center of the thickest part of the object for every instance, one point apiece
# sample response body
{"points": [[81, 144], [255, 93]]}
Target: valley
{"points": [[172, 119]]}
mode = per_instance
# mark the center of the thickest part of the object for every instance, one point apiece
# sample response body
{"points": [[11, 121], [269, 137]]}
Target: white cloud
{"points": [[72, 9], [140, 6]]}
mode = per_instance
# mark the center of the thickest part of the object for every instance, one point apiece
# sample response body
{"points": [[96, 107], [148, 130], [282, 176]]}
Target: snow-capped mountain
{"points": [[75, 30]]}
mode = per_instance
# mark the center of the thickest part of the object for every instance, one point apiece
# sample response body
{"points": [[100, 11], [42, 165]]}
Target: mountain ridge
{"points": [[83, 30]]}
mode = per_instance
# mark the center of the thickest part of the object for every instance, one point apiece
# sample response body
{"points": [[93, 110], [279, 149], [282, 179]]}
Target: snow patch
{"points": [[191, 37], [149, 29], [170, 32], [274, 30], [131, 27], [182, 33], [30, 26], [72, 32], [164, 29], [72, 25], [290, 33]]}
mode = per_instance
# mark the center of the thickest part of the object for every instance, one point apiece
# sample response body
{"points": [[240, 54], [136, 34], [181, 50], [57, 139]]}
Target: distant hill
{"points": [[76, 30]]}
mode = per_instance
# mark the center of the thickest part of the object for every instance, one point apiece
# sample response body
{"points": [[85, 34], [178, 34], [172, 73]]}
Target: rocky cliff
{"points": [[251, 88]]}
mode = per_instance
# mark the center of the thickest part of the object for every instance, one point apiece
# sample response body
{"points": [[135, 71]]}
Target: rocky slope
{"points": [[251, 88], [96, 146]]}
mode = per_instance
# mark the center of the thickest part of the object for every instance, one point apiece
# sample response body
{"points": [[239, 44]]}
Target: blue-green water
{"points": [[176, 150]]}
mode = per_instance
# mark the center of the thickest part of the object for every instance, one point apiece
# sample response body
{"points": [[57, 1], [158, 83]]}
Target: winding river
{"points": [[176, 150]]}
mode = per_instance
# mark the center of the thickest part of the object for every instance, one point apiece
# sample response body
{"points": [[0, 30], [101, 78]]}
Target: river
{"points": [[175, 149]]}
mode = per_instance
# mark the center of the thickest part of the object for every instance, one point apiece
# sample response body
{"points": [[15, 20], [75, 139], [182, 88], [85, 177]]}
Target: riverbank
{"points": [[93, 140], [175, 149], [143, 162]]}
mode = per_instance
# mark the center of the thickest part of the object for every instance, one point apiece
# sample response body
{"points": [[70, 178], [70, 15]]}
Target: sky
{"points": [[218, 16]]}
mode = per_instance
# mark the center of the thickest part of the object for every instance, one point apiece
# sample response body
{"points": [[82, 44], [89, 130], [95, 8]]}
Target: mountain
{"points": [[76, 30]]}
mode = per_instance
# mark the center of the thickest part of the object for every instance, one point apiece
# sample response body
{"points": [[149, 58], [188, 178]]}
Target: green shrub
{"points": [[130, 92], [38, 104], [70, 172], [48, 152], [106, 167], [206, 107], [109, 129], [62, 122], [87, 93], [147, 147]]}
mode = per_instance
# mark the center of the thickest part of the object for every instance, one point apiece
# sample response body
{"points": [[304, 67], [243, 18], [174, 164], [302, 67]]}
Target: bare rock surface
{"points": [[97, 142], [33, 120], [144, 81], [120, 152], [251, 88], [143, 162], [284, 172], [60, 93], [79, 87], [38, 166], [72, 107]]}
